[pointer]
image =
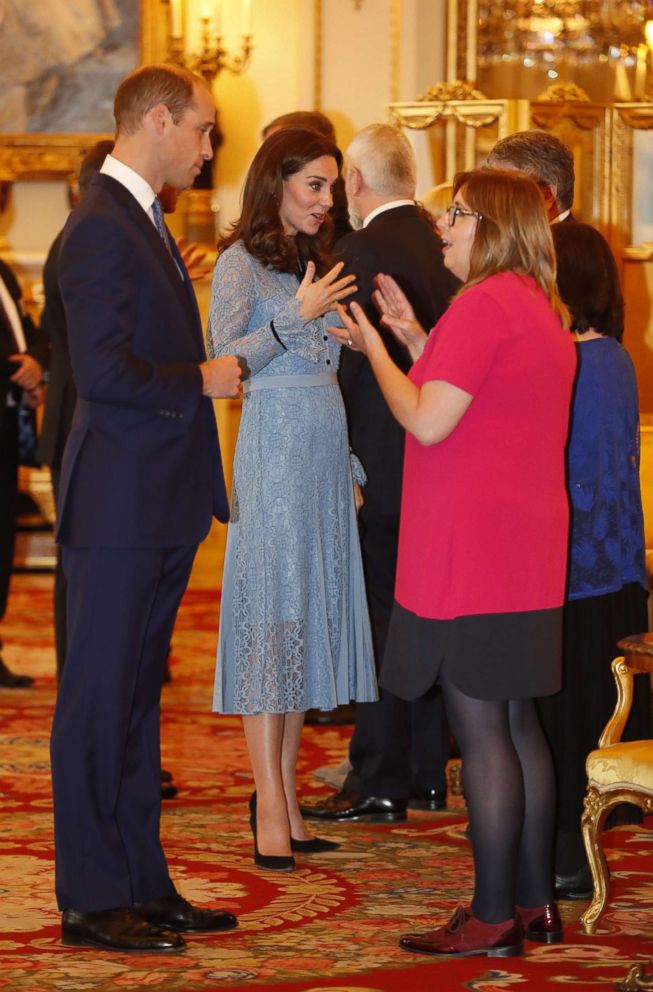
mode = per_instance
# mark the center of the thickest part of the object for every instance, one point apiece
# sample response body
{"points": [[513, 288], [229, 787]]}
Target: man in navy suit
{"points": [[141, 479]]}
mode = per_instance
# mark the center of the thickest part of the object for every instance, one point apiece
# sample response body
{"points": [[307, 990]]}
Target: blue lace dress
{"points": [[294, 629]]}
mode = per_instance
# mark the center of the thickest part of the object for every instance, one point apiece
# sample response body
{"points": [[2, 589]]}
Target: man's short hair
{"points": [[148, 86], [541, 156], [384, 157]]}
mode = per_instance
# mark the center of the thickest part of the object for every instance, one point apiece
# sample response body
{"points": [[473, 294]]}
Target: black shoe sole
{"points": [[72, 940], [574, 895], [360, 818], [427, 806], [495, 952], [553, 937], [310, 814]]}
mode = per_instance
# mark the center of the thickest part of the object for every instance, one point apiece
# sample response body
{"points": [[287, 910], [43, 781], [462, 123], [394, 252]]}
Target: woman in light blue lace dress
{"points": [[294, 629]]}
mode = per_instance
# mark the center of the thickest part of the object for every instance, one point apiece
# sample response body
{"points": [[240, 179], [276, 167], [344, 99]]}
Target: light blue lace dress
{"points": [[294, 629]]}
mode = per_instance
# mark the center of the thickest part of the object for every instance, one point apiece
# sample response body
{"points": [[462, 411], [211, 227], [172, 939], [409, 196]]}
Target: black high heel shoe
{"points": [[271, 862], [316, 845]]}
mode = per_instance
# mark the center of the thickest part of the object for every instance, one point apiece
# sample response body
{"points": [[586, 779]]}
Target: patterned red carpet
{"points": [[331, 926]]}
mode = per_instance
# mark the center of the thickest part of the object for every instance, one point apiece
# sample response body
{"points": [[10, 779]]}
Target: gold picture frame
{"points": [[48, 156]]}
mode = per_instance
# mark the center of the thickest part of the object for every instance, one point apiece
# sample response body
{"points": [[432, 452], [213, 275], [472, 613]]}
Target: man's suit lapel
{"points": [[177, 278]]}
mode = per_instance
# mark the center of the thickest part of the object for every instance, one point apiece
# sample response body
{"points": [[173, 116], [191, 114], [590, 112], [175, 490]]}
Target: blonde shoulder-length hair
{"points": [[513, 234]]}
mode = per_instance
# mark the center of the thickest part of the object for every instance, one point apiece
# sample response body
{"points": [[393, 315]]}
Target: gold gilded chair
{"points": [[617, 772]]}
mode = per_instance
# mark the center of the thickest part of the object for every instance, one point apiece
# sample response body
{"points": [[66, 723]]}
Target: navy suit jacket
{"points": [[141, 467]]}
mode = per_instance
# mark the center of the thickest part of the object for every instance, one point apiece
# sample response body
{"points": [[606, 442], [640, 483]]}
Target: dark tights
{"points": [[510, 793]]}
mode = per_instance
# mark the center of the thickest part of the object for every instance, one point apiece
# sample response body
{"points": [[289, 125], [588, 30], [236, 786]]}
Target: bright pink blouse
{"points": [[484, 513]]}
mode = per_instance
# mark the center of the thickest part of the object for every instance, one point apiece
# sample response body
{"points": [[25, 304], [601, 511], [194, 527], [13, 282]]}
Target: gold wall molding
{"points": [[565, 93], [47, 156], [456, 89]]}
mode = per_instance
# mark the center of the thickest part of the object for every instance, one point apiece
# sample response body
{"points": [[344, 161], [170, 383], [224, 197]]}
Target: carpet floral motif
{"points": [[332, 925]]}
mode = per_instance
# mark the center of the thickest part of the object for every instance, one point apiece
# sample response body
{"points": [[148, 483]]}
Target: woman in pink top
{"points": [[483, 538]]}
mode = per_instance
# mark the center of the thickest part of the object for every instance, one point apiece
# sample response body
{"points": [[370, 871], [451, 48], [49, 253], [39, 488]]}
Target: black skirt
{"points": [[573, 719], [491, 656]]}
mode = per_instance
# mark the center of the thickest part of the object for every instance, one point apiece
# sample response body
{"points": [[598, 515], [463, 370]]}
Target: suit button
{"points": [[328, 361]]}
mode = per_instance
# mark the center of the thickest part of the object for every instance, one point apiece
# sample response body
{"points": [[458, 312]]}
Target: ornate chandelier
{"points": [[544, 33]]}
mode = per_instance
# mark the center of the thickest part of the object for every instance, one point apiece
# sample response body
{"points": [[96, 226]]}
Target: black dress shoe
{"points": [[429, 799], [343, 807], [10, 680], [168, 790], [117, 930], [166, 776], [176, 913], [577, 886]]}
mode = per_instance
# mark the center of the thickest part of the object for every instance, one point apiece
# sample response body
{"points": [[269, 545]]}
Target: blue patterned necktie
{"points": [[157, 211]]}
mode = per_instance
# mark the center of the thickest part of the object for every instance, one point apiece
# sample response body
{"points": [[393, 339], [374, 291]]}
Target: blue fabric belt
{"points": [[290, 381]]}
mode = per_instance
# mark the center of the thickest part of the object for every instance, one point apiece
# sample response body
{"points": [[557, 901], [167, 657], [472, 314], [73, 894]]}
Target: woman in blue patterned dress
{"points": [[294, 629], [606, 596]]}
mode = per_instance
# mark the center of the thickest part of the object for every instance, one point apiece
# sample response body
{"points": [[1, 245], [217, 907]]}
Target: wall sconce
{"points": [[212, 57]]}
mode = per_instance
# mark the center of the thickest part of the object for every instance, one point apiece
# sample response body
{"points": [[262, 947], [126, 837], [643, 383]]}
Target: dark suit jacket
{"points": [[400, 242], [61, 393], [142, 466], [36, 347]]}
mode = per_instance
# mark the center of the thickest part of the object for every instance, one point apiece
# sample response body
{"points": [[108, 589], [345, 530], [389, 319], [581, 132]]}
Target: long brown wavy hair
{"points": [[514, 234], [259, 226]]}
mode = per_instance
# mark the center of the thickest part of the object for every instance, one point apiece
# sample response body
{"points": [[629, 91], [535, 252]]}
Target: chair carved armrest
{"points": [[615, 725]]}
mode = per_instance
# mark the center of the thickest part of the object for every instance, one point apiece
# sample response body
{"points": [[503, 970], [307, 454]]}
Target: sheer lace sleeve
{"points": [[247, 302], [233, 302], [357, 471]]}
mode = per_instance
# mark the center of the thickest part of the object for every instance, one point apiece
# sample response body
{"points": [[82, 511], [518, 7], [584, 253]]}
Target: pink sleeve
{"points": [[462, 348]]}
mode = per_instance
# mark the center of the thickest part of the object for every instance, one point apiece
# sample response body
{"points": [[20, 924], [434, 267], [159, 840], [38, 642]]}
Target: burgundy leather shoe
{"points": [[465, 935], [175, 913], [542, 923], [117, 930]]}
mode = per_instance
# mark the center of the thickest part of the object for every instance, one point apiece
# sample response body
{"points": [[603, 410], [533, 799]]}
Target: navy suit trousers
{"points": [[105, 745]]}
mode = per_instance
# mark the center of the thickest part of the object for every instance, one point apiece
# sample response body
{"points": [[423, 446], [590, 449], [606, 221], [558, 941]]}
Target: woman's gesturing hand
{"points": [[315, 298], [398, 315], [357, 332]]}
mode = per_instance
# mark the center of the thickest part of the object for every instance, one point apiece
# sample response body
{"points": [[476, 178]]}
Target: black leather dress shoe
{"points": [[343, 807], [117, 930], [168, 790], [176, 913], [10, 680], [429, 799], [577, 886], [166, 776]]}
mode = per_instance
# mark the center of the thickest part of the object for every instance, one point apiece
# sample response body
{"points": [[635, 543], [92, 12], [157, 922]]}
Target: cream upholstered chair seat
{"points": [[618, 771], [621, 765]]}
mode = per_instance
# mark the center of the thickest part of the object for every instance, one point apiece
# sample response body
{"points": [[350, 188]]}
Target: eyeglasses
{"points": [[454, 211]]}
